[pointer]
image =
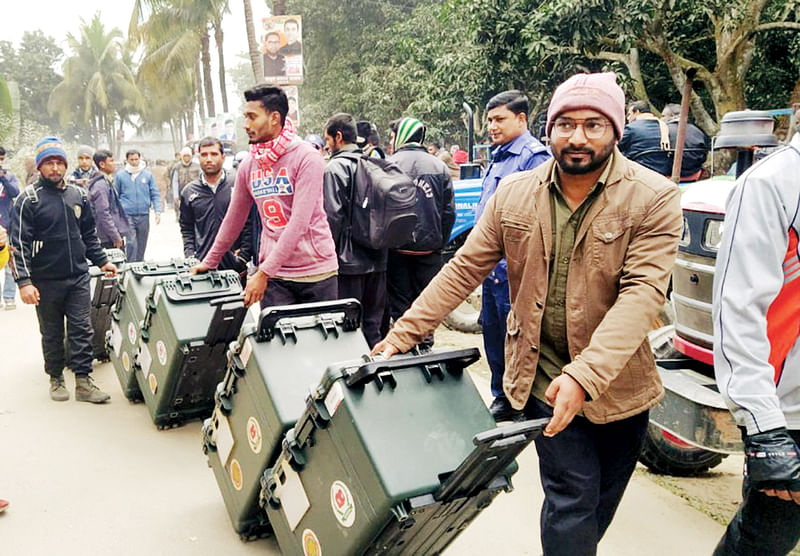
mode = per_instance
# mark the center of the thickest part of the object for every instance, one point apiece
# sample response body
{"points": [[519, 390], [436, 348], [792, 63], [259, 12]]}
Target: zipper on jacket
{"points": [[69, 239]]}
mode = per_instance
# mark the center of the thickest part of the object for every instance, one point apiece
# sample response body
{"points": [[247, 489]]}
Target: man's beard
{"points": [[595, 162]]}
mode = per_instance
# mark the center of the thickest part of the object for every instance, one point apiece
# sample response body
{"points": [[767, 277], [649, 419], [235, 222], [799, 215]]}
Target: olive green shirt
{"points": [[553, 346]]}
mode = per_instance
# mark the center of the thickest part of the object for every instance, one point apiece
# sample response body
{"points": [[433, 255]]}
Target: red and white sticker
{"points": [[153, 382], [311, 546], [131, 333], [254, 437], [334, 398], [344, 508], [236, 474], [161, 349], [126, 361]]}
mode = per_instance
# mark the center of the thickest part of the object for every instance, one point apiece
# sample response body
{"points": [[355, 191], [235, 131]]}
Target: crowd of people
{"points": [[573, 245]]}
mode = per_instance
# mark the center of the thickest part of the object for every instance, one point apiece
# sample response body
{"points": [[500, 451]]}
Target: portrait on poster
{"points": [[282, 48]]}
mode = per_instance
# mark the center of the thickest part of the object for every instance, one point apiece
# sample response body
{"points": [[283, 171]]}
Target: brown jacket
{"points": [[619, 272]]}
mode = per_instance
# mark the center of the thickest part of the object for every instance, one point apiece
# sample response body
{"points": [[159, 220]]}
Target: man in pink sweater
{"points": [[282, 175]]}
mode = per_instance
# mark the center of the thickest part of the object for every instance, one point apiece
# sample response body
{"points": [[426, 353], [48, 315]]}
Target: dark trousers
{"points": [[68, 299], [584, 470], [370, 290], [495, 306], [406, 277], [286, 292], [136, 238], [763, 525]]}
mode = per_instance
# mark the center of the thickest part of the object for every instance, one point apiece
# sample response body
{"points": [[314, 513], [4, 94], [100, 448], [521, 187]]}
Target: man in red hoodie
{"points": [[282, 175]]}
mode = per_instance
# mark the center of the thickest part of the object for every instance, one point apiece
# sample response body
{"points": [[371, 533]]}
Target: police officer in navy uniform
{"points": [[53, 233]]}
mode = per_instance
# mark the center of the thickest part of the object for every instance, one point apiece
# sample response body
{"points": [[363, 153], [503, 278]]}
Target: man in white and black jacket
{"points": [[203, 204], [53, 234], [757, 349]]}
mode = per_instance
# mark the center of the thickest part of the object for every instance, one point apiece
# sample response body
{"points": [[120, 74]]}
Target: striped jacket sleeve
{"points": [[21, 236], [756, 306]]}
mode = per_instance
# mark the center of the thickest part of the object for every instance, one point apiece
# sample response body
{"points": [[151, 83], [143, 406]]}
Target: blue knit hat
{"points": [[49, 147]]}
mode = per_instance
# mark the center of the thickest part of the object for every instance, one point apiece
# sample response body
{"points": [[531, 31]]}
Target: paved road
{"points": [[86, 479]]}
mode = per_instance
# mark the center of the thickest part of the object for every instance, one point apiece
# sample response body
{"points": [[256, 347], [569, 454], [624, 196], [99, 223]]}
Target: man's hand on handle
{"points": [[255, 288], [201, 268], [566, 396], [385, 349], [110, 269]]}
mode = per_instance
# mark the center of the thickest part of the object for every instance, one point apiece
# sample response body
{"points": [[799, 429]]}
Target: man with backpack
{"points": [[362, 268], [413, 265]]}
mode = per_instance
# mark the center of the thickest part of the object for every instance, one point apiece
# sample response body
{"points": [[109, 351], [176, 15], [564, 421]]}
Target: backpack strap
{"points": [[31, 194]]}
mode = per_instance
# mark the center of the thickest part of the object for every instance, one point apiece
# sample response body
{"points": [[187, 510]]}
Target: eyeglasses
{"points": [[593, 128]]}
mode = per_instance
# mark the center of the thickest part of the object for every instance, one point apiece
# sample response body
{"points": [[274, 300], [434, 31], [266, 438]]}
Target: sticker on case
{"points": [[153, 382], [161, 350], [342, 504], [254, 437], [236, 474], [132, 333], [311, 546], [126, 361], [334, 398]]}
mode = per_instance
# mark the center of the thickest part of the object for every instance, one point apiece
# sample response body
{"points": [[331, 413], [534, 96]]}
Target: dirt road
{"points": [[86, 479]]}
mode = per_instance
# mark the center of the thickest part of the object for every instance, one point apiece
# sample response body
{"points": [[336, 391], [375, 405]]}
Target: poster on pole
{"points": [[294, 103], [282, 47]]}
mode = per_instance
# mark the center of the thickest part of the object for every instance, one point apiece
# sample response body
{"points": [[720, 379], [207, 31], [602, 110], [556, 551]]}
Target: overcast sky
{"points": [[59, 17]]}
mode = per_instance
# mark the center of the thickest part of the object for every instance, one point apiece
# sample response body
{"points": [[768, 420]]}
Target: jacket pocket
{"points": [[516, 234], [610, 240]]}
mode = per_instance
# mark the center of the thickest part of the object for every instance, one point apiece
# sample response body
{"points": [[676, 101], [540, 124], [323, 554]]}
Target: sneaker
{"points": [[3, 505], [10, 305], [86, 391], [58, 390], [501, 410]]}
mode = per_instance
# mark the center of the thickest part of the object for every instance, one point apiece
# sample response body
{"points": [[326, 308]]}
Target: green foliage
{"points": [[33, 67], [98, 88]]}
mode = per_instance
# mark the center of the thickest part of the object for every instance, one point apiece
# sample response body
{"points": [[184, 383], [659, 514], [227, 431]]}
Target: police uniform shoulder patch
{"points": [[78, 210]]}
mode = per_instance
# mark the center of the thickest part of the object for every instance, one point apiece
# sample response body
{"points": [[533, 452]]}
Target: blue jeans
{"points": [[495, 306], [584, 470], [136, 239], [10, 286], [763, 525]]}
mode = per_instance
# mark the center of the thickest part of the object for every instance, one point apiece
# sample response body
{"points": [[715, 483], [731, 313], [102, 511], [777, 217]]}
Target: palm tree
{"points": [[99, 87], [174, 32], [255, 51]]}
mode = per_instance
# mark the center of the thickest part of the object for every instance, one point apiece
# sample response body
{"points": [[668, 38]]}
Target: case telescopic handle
{"points": [[227, 299], [454, 361], [271, 315]]}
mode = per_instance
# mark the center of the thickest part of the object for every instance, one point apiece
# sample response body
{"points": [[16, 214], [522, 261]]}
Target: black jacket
{"points": [[112, 223], [436, 207], [641, 142], [53, 233], [201, 214], [338, 189]]}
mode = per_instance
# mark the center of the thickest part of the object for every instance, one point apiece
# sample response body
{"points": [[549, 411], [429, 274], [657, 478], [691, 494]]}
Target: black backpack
{"points": [[383, 204]]}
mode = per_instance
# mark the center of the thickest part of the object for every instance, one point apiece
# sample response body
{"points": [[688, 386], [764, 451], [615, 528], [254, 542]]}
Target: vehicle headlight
{"points": [[712, 235], [685, 235]]}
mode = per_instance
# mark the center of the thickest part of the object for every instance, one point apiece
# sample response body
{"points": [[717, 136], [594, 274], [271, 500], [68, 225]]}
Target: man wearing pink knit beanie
{"points": [[590, 239]]}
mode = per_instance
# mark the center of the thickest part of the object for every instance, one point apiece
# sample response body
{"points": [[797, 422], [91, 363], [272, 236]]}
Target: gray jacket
{"points": [[757, 295]]}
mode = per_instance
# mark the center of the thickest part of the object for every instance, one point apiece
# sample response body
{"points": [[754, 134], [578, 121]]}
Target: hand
{"points": [[118, 244], [255, 288], [566, 396], [384, 348], [110, 269], [202, 268], [158, 218], [772, 464], [29, 294], [177, 202]]}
